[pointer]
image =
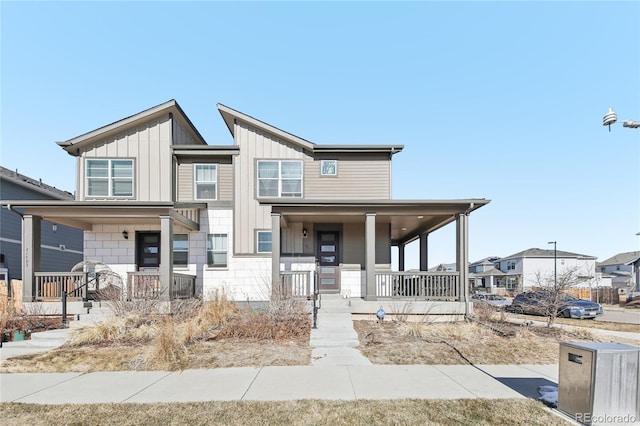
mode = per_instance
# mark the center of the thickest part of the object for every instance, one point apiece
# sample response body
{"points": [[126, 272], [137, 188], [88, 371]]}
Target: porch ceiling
{"points": [[407, 218], [84, 214]]}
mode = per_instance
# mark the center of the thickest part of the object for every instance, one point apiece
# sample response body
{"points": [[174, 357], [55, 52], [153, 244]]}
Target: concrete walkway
{"points": [[334, 342]]}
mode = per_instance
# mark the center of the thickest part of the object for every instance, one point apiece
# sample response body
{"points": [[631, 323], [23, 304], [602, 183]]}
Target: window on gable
{"points": [[511, 265], [217, 250], [180, 250], [264, 242], [279, 179], [205, 177], [109, 178]]}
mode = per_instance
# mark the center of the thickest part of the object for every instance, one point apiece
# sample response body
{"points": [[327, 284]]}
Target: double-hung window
{"points": [[279, 179], [205, 181], [217, 250], [109, 178], [181, 250]]}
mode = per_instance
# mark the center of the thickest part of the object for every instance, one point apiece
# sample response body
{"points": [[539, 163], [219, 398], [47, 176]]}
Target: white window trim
{"points": [[195, 182], [335, 169], [109, 178], [279, 178], [258, 232], [226, 252]]}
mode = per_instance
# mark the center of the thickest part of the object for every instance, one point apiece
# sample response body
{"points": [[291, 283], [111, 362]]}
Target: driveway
{"points": [[629, 316]]}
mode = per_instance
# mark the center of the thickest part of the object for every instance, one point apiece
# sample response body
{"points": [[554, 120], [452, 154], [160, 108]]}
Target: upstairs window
{"points": [[280, 179], [511, 265], [109, 178], [329, 168], [205, 183]]}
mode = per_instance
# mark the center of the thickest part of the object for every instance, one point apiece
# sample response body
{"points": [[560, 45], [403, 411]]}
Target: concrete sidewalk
{"points": [[375, 382]]}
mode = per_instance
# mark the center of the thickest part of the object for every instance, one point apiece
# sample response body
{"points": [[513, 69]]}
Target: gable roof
{"points": [[626, 258], [72, 145], [543, 253], [230, 115], [34, 185]]}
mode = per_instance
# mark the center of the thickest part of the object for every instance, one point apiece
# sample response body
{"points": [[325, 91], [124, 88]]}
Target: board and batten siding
{"points": [[358, 177], [249, 214], [185, 179], [181, 137], [149, 145]]}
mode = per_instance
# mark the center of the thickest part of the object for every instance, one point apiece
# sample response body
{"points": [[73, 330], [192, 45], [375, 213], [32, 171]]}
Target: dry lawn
{"points": [[304, 412], [462, 342]]}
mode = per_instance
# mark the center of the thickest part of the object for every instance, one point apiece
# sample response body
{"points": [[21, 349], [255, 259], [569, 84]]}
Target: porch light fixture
{"points": [[304, 232], [611, 117], [125, 235]]}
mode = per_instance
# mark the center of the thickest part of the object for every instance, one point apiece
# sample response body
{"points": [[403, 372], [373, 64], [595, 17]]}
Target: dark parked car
{"points": [[538, 303]]}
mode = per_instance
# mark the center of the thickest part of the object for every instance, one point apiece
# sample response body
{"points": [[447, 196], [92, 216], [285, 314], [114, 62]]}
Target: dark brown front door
{"points": [[147, 250], [328, 252]]}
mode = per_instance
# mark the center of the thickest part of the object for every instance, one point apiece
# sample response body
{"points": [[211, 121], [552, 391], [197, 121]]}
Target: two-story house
{"points": [[624, 269], [524, 269], [155, 200], [60, 246]]}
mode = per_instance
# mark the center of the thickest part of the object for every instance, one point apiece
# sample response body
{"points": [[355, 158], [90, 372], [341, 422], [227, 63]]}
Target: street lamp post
{"points": [[555, 264], [611, 117]]}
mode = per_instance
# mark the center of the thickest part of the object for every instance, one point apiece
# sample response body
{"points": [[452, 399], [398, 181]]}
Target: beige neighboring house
{"points": [[158, 205]]}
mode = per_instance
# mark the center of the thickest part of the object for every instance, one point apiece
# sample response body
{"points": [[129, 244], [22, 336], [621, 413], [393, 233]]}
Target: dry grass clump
{"points": [[170, 341], [283, 320]]}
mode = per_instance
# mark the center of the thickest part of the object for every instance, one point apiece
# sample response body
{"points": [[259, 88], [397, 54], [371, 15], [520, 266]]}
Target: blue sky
{"points": [[497, 100]]}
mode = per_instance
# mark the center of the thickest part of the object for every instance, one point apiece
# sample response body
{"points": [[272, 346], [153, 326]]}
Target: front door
{"points": [[328, 252], [148, 250]]}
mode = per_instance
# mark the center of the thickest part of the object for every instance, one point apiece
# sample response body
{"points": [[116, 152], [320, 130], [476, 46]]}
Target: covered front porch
{"points": [[345, 248], [133, 243]]}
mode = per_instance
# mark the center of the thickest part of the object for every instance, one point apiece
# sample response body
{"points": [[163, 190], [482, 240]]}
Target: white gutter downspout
{"points": [[10, 208]]}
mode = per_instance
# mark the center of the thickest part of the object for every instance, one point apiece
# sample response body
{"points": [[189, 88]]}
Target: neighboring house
{"points": [[523, 269], [154, 200], [60, 245], [483, 274], [624, 268]]}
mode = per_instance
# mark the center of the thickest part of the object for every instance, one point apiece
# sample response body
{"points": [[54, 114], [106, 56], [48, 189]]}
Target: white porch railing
{"points": [[297, 283], [423, 285]]}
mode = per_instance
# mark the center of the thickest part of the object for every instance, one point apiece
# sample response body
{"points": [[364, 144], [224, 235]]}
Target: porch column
{"points": [[166, 257], [275, 251], [370, 255], [424, 251], [31, 240], [401, 256], [462, 257]]}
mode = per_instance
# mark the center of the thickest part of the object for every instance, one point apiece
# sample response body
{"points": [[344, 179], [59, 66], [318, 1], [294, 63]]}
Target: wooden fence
{"points": [[13, 303]]}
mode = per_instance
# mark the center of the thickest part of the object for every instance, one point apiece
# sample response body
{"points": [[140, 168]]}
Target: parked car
{"points": [[491, 299], [537, 303]]}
